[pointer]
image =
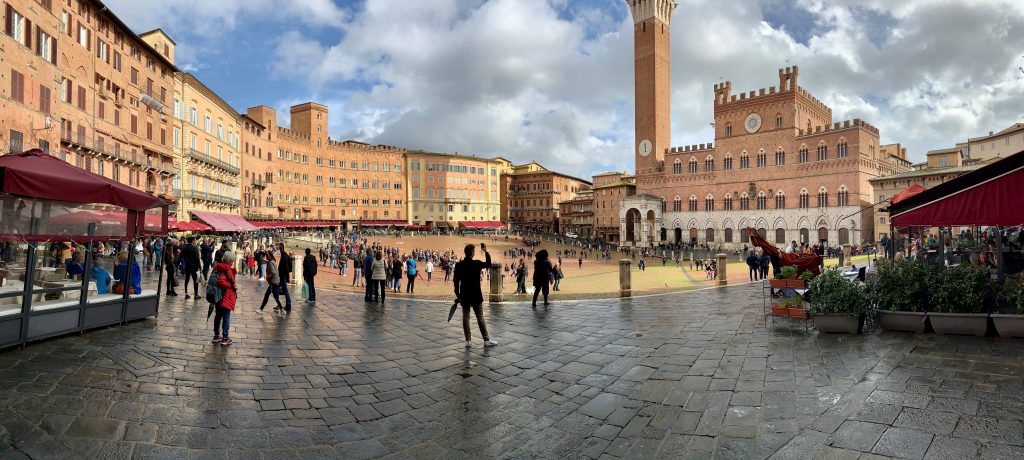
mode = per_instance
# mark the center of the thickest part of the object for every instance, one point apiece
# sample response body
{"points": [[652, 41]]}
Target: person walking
{"points": [[261, 263], [410, 270], [273, 283], [357, 271], [206, 253], [753, 265], [190, 263], [763, 263], [371, 287], [226, 282], [541, 276], [521, 277], [284, 271], [469, 294], [557, 275], [430, 270], [378, 277], [169, 267], [309, 273], [447, 271]]}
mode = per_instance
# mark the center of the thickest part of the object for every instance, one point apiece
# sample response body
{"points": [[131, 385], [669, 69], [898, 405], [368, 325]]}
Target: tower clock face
{"points": [[752, 123], [645, 147]]}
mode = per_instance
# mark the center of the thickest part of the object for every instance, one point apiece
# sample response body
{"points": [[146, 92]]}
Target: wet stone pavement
{"points": [[691, 375]]}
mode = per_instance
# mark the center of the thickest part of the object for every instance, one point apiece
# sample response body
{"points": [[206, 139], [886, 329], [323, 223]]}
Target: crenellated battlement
{"points": [[837, 126], [350, 144], [643, 10], [814, 101], [282, 131], [695, 148], [787, 82]]}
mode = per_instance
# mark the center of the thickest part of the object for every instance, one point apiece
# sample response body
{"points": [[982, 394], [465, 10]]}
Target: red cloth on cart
{"points": [[802, 262]]}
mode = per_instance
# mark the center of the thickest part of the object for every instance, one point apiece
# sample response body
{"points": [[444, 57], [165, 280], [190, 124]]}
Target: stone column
{"points": [[233, 247], [496, 283], [723, 279], [625, 278], [845, 258], [297, 270]]}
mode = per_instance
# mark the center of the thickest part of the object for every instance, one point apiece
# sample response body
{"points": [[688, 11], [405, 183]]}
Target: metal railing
{"points": [[204, 158]]}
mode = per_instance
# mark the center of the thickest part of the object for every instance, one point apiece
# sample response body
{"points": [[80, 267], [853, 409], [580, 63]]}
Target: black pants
{"points": [[195, 282], [312, 292], [764, 272], [410, 286], [283, 286], [537, 288], [478, 310], [371, 287], [381, 287], [171, 282], [271, 290], [754, 272], [206, 268]]}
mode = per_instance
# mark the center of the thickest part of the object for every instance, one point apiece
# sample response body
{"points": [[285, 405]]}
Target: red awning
{"points": [[985, 196], [481, 224], [36, 174], [194, 226], [909, 192], [224, 222], [382, 223]]}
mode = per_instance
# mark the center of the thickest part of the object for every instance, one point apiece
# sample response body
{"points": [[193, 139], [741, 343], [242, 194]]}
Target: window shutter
{"points": [[14, 84], [28, 33], [88, 39], [53, 51], [8, 24]]}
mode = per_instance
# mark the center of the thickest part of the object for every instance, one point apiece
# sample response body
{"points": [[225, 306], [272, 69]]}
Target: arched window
{"points": [[780, 157], [822, 152], [677, 167], [843, 196], [727, 162], [728, 129], [780, 200], [709, 164], [709, 235], [693, 166], [677, 204], [842, 149], [778, 120], [762, 159], [805, 199], [744, 202], [709, 203], [762, 201], [728, 235], [822, 198], [744, 160], [780, 236], [693, 203], [804, 154], [727, 202]]}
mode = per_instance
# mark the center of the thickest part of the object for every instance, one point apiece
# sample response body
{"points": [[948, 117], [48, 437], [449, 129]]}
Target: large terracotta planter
{"points": [[796, 312], [781, 284], [908, 321], [959, 323], [837, 323], [1009, 325], [778, 310]]}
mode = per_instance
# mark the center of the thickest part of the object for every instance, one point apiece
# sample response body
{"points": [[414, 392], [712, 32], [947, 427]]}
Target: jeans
{"points": [[371, 288], [283, 285], [344, 268], [312, 291], [357, 277], [478, 310], [754, 272], [221, 315], [263, 270], [271, 290], [537, 288], [411, 284], [195, 282], [428, 276], [557, 282], [206, 268]]}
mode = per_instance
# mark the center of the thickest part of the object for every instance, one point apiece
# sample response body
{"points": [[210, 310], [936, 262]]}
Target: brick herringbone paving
{"points": [[695, 374]]}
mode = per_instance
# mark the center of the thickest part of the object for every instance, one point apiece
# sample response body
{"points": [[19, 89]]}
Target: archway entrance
{"points": [[664, 234], [650, 227], [693, 235], [678, 235], [805, 236], [709, 235], [823, 235], [632, 221], [728, 235]]}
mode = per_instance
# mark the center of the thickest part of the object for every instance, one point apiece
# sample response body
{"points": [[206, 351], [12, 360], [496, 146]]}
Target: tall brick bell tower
{"points": [[652, 62]]}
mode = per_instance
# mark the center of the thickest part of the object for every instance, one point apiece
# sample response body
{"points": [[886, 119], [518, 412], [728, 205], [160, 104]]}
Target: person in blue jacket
{"points": [[121, 271], [368, 273], [100, 276]]}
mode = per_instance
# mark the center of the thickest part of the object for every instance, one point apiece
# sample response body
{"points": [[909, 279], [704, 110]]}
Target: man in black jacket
{"points": [[206, 251], [284, 270], [468, 292], [169, 266], [308, 272], [190, 264]]}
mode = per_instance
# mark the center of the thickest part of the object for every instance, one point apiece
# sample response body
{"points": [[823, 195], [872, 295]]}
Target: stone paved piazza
{"points": [[692, 375]]}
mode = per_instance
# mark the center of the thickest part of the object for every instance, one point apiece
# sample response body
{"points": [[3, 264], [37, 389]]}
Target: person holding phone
{"points": [[469, 293]]}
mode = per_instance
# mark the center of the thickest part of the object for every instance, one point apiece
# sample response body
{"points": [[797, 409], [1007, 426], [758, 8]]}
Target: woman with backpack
{"points": [[273, 283], [224, 273]]}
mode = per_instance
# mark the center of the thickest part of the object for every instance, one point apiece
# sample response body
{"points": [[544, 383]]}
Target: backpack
{"points": [[214, 293]]}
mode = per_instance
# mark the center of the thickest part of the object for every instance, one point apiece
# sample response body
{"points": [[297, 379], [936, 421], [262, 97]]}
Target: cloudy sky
{"points": [[552, 81]]}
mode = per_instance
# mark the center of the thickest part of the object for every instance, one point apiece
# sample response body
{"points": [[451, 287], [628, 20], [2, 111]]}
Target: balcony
{"points": [[204, 158], [259, 183], [213, 198]]}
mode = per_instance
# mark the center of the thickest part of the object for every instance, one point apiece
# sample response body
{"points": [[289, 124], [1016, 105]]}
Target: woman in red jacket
{"points": [[227, 303]]}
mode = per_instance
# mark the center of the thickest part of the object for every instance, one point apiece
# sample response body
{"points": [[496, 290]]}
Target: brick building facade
{"points": [[779, 163], [609, 191], [445, 188], [534, 197]]}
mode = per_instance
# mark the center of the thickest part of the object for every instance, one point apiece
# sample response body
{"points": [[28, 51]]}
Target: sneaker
{"points": [[490, 343], [469, 344], [226, 341], [187, 297], [216, 339]]}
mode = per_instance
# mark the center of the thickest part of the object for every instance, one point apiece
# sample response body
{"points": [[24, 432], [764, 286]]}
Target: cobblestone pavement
{"points": [[696, 374]]}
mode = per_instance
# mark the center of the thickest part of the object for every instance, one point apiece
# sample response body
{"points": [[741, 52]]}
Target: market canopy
{"points": [[193, 226], [382, 223], [487, 225], [909, 192], [39, 175], [985, 196], [225, 222]]}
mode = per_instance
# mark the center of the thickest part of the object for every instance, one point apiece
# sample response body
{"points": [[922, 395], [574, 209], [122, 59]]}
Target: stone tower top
{"points": [[643, 10]]}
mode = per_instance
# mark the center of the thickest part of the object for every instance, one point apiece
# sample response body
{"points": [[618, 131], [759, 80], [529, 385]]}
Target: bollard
{"points": [[723, 279], [845, 258], [296, 271], [233, 247], [625, 278], [496, 284]]}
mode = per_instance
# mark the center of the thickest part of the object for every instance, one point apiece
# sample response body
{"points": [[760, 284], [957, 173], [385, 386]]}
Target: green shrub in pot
{"points": [[807, 276], [787, 273], [901, 285], [1011, 295], [833, 294], [960, 289]]}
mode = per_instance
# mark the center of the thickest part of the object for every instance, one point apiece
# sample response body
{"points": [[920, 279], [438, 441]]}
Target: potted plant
{"points": [[838, 304], [1011, 298], [795, 307], [958, 299], [899, 293], [786, 274]]}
